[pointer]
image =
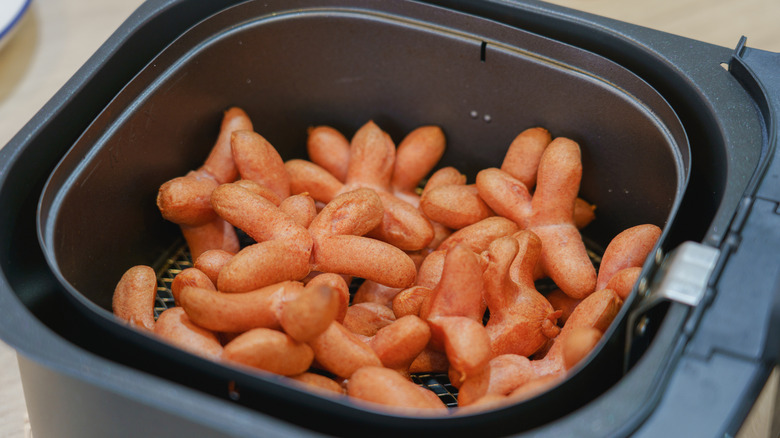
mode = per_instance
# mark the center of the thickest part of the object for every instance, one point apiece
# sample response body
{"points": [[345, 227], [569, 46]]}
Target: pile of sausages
{"points": [[433, 263]]}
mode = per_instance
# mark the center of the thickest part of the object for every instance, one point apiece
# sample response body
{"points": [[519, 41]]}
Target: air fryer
{"points": [[668, 137]]}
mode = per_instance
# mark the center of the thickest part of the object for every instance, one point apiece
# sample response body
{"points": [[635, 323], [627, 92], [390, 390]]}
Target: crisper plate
{"points": [[180, 259]]}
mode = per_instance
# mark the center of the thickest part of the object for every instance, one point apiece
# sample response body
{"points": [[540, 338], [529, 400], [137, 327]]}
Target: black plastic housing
{"points": [[645, 106]]}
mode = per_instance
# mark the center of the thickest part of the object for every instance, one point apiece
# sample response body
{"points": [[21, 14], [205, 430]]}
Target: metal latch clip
{"points": [[682, 276]]}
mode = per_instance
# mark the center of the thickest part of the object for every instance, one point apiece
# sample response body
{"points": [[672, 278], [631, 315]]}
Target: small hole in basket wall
{"points": [[482, 50], [725, 65], [233, 391]]}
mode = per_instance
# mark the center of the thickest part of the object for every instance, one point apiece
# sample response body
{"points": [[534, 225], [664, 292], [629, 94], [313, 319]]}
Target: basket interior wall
{"points": [[293, 71]]}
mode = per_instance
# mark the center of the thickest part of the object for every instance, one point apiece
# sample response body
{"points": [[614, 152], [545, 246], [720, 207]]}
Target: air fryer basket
{"points": [[482, 71], [295, 69]]}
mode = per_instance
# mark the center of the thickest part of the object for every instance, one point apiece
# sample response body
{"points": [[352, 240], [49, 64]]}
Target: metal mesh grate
{"points": [[439, 383], [180, 260]]}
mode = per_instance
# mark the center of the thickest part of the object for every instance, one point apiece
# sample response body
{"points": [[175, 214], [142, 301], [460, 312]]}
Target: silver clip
{"points": [[682, 276]]}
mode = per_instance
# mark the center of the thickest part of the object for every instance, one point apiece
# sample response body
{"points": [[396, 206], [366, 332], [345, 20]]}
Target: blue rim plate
{"points": [[11, 13]]}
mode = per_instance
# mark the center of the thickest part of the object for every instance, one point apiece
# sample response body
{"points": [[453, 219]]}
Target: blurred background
{"points": [[55, 37]]}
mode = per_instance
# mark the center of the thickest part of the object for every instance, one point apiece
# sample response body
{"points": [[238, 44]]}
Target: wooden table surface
{"points": [[56, 37]]}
